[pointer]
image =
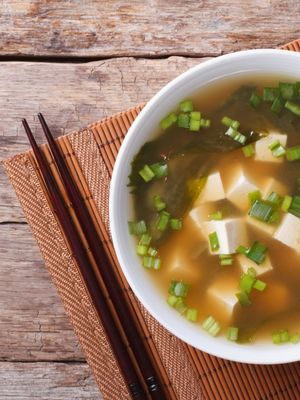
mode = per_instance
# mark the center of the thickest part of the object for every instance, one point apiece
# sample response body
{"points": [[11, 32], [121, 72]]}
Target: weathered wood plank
{"points": [[149, 28], [33, 325], [71, 96], [47, 381]]}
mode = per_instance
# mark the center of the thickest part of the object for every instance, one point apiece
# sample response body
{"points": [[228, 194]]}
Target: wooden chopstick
{"points": [[125, 316], [109, 278], [131, 378]]}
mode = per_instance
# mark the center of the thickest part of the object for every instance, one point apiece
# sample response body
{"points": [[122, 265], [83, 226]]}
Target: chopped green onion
{"points": [[230, 123], [152, 252], [243, 299], [186, 106], [172, 300], [287, 201], [293, 153], [168, 121], [211, 326], [233, 333], [252, 272], [275, 198], [141, 249], [280, 337], [257, 252], [177, 303], [241, 250], [216, 216], [255, 100], [158, 203], [246, 283], [295, 206], [151, 262], [192, 314], [277, 105], [274, 217], [195, 115], [180, 306], [205, 123], [235, 135], [295, 338], [163, 221], [248, 150], [259, 285], [146, 173], [179, 288], [160, 170], [225, 259], [145, 239], [195, 125], [175, 224], [137, 228], [293, 107], [279, 151], [253, 196], [183, 120], [214, 241], [287, 90], [262, 211], [270, 94], [274, 144]]}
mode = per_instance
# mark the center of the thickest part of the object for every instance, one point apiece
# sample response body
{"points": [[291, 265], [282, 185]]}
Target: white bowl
{"points": [[279, 62]]}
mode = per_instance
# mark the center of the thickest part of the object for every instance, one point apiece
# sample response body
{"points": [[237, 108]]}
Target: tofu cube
{"points": [[231, 233], [213, 190], [261, 269], [272, 185], [181, 268], [200, 214], [238, 190], [288, 232], [262, 151], [222, 295], [263, 227]]}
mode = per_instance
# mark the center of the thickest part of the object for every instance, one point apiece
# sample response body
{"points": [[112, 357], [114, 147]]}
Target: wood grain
{"points": [[44, 381], [71, 96], [153, 28], [33, 326]]}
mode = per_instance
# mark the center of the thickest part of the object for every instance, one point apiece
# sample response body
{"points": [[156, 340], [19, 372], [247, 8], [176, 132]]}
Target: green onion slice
{"points": [[293, 153], [286, 203], [158, 203], [175, 224], [186, 106], [257, 252], [179, 288], [192, 314], [137, 228], [293, 107], [160, 170], [214, 241], [248, 150], [183, 120], [168, 121], [163, 221], [146, 173], [255, 100], [211, 325], [295, 206], [233, 333], [216, 216]]}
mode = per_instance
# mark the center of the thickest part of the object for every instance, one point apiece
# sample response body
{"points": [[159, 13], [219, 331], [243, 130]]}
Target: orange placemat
{"points": [[187, 373]]}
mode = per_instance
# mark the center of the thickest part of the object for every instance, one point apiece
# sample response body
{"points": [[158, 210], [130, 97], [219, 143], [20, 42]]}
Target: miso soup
{"points": [[216, 197]]}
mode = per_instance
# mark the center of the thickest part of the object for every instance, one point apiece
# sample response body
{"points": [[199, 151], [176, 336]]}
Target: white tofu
{"points": [[261, 269], [262, 151], [238, 190], [288, 232], [263, 227], [183, 266], [213, 190], [201, 213], [222, 295], [272, 185], [231, 233]]}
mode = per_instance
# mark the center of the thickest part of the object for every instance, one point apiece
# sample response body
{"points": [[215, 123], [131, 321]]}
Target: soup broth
{"points": [[209, 192]]}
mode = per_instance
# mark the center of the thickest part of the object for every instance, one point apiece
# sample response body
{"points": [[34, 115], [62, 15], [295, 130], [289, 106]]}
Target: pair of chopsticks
{"points": [[143, 381]]}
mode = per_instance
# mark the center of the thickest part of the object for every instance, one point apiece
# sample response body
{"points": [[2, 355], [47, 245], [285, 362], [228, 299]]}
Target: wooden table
{"points": [[78, 61]]}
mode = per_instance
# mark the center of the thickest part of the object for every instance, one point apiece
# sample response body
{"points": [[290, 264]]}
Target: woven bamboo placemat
{"points": [[187, 373]]}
